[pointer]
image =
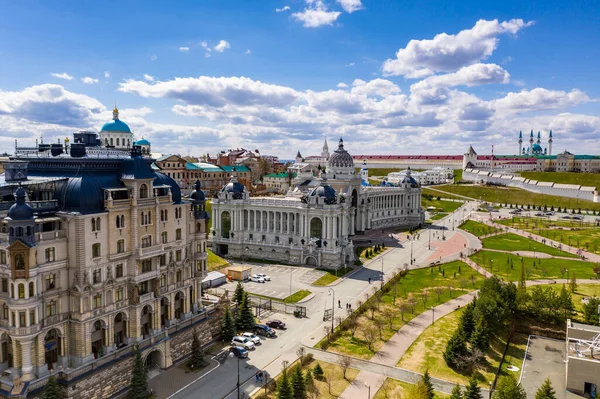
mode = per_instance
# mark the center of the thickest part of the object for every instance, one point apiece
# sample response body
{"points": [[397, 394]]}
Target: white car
{"points": [[264, 276], [257, 279], [244, 342], [252, 337]]}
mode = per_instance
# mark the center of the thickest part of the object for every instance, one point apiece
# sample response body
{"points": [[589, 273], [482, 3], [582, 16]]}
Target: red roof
{"points": [[417, 157]]}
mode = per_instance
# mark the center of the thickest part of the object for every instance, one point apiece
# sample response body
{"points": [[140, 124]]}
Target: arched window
{"points": [[111, 141], [31, 289], [316, 230], [225, 224], [120, 246], [117, 141], [21, 291], [143, 191], [122, 221], [98, 224], [93, 224], [19, 262], [19, 232]]}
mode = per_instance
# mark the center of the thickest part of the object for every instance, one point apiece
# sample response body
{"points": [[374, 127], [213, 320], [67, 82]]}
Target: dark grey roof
{"points": [[341, 157], [197, 194], [137, 168], [234, 187], [20, 210], [323, 191]]}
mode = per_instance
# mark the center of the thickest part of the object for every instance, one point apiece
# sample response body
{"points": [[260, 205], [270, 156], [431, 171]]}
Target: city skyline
{"points": [[283, 75]]}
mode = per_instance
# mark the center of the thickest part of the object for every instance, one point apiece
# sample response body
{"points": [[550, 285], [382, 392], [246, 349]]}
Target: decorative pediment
{"points": [[20, 255]]}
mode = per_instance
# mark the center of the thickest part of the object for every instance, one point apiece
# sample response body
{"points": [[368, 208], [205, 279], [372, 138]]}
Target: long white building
{"points": [[313, 224]]}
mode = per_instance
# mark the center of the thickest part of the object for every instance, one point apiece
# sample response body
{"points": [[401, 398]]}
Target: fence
{"points": [[260, 305]]}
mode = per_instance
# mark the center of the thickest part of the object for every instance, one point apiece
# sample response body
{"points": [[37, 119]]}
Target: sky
{"points": [[390, 77]]}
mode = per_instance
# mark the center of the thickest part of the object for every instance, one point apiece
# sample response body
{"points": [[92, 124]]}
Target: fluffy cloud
{"points": [[222, 46], [342, 85], [89, 81], [540, 99], [148, 78], [106, 74], [63, 75], [350, 5], [184, 49], [282, 9], [316, 14], [446, 53], [376, 87]]}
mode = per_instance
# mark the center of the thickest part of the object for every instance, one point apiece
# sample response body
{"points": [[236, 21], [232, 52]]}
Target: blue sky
{"points": [[427, 77]]}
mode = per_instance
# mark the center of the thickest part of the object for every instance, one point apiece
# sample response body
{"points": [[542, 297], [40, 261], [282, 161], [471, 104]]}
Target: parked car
{"points": [[578, 217], [239, 352], [276, 324], [257, 279], [549, 213], [539, 214], [515, 212], [264, 276], [566, 217], [266, 331], [244, 342], [255, 340]]}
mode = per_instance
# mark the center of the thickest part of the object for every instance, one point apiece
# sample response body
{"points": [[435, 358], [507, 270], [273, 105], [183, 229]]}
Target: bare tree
{"points": [[345, 363], [372, 309], [388, 314], [353, 325], [338, 320], [329, 382], [425, 297], [370, 334], [300, 353], [327, 330], [412, 302], [402, 307], [439, 291], [462, 282], [380, 323]]}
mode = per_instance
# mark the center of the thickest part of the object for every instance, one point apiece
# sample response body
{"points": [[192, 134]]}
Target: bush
{"points": [[318, 372]]}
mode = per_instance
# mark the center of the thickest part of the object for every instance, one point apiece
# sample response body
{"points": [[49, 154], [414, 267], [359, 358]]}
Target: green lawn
{"points": [[426, 353], [215, 262], [458, 175], [477, 229], [514, 242], [515, 196], [441, 205], [543, 268], [419, 287], [297, 296], [439, 216], [392, 388], [331, 275], [584, 179]]}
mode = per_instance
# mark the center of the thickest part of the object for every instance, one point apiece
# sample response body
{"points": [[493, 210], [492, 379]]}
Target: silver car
{"points": [[264, 276]]}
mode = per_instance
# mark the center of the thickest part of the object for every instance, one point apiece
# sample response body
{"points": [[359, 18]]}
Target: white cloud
{"points": [[282, 9], [540, 99], [349, 64], [153, 57], [204, 44], [316, 14], [342, 85], [376, 87], [63, 75], [184, 49], [89, 81], [148, 78], [106, 74], [446, 53], [248, 52], [222, 46], [350, 5]]}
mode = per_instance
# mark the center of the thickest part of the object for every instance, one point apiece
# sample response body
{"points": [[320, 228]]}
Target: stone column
{"points": [[27, 368]]}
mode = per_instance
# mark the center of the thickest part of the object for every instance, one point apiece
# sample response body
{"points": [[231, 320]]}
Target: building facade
{"points": [[98, 252], [425, 178], [314, 223], [583, 359]]}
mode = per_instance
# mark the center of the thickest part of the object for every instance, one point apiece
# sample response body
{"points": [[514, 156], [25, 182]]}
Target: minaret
{"points": [[325, 152], [520, 143], [530, 142], [364, 172], [550, 143], [539, 139]]}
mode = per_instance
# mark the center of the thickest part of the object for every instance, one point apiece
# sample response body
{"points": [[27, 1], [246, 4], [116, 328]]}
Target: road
{"points": [[308, 331]]}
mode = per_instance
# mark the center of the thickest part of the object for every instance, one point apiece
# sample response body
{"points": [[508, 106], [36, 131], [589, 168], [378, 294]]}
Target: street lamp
{"points": [[433, 315], [369, 387], [238, 374], [411, 251], [332, 292]]}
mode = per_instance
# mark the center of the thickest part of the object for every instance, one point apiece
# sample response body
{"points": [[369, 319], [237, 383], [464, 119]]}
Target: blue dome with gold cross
{"points": [[116, 125]]}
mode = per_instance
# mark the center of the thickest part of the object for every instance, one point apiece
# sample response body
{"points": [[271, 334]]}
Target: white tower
{"points": [[550, 143], [520, 143], [470, 157], [530, 143], [364, 172], [325, 152]]}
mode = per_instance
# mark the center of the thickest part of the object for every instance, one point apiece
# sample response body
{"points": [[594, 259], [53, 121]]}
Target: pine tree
{"points": [[565, 299], [309, 382], [298, 384], [455, 348], [197, 360], [456, 392], [239, 293], [428, 385], [546, 391], [318, 372], [284, 389], [522, 286], [467, 321], [473, 391], [53, 390], [138, 388], [573, 284], [245, 319], [508, 388], [481, 336], [228, 326]]}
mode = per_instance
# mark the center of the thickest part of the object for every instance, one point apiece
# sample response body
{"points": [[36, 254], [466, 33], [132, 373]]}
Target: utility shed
{"points": [[239, 273], [214, 279]]}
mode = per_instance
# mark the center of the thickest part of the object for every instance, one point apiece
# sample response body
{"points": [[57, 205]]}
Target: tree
{"points": [[370, 334], [389, 315], [138, 387], [197, 360], [455, 348], [480, 338], [298, 384], [456, 392], [439, 291], [228, 326], [467, 322], [318, 372], [245, 320], [545, 391], [284, 389], [428, 385], [472, 391], [309, 382], [565, 303], [508, 388], [238, 294], [345, 363], [573, 283], [53, 390], [590, 310]]}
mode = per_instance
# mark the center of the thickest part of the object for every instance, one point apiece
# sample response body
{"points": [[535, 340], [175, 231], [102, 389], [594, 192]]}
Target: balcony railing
{"points": [[151, 251], [57, 318], [119, 255], [146, 276], [146, 297], [50, 235], [34, 329]]}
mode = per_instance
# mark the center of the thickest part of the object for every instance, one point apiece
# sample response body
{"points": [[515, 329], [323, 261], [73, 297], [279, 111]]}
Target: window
{"points": [[31, 317], [97, 301], [4, 285], [163, 237], [95, 224], [164, 215], [50, 282], [19, 262], [143, 191], [146, 218], [117, 141], [146, 241], [178, 234], [119, 270], [177, 213], [199, 265], [120, 221], [22, 319], [163, 280], [178, 275], [97, 276], [31, 289], [5, 312], [198, 248], [119, 294], [146, 266], [120, 246], [50, 308], [50, 254], [96, 250], [144, 287], [178, 255], [3, 257], [21, 291]]}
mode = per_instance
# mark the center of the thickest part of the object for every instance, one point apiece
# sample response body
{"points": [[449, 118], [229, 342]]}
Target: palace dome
{"points": [[116, 126], [323, 191], [340, 157], [21, 210]]}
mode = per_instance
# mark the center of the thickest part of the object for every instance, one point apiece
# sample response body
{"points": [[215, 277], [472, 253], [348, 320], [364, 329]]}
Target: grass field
{"points": [[584, 179], [441, 205], [215, 262], [398, 389], [543, 268], [426, 353], [439, 216], [416, 292], [297, 296], [514, 242], [476, 228], [331, 275], [515, 196]]}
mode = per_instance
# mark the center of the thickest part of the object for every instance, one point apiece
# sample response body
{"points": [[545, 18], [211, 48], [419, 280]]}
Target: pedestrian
{"points": [[350, 307], [260, 376], [339, 304], [256, 376], [369, 280]]}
